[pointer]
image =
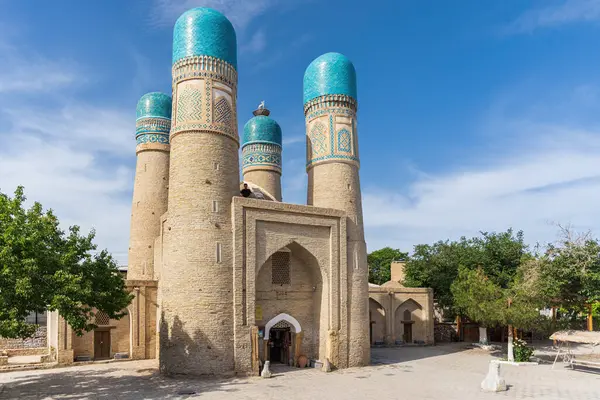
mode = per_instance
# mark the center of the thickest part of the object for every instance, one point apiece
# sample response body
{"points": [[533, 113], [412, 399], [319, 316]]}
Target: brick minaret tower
{"points": [[261, 152], [196, 317], [153, 124], [330, 107]]}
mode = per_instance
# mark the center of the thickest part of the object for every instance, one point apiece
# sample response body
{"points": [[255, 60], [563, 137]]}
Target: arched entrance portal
{"points": [[409, 322], [281, 336], [377, 323], [292, 305]]}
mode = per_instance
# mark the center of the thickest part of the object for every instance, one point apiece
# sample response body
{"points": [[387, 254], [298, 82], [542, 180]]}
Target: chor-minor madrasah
{"points": [[225, 274]]}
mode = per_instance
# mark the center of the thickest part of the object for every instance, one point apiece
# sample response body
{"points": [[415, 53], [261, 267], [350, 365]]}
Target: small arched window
{"points": [[407, 316]]}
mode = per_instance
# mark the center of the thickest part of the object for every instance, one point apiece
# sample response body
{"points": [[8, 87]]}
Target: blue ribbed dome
{"points": [[331, 73], [204, 32], [155, 104], [262, 129]]}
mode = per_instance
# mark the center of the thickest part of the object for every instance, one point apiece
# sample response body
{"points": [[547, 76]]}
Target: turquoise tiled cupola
{"points": [[331, 73], [153, 122], [154, 105], [204, 32], [262, 129]]}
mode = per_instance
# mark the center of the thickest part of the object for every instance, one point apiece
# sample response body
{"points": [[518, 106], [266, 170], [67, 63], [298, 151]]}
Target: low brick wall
{"points": [[38, 340], [37, 351]]}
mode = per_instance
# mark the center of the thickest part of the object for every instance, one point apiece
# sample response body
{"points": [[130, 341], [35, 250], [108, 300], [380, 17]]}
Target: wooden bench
{"points": [[584, 363]]}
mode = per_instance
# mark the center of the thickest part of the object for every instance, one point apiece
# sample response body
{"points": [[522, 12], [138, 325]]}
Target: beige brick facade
{"points": [[400, 315], [223, 283]]}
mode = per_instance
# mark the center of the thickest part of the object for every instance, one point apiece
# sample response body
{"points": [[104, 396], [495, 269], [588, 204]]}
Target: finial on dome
{"points": [[262, 110]]}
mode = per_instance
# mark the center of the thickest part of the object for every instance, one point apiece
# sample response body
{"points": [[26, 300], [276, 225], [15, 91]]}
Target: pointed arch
{"points": [[282, 317], [410, 304]]}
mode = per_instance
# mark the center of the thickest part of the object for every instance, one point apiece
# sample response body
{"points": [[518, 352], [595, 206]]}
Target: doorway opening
{"points": [[101, 344], [280, 341], [408, 323]]}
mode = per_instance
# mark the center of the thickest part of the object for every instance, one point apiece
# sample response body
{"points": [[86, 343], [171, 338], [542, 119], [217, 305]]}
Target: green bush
{"points": [[522, 352]]}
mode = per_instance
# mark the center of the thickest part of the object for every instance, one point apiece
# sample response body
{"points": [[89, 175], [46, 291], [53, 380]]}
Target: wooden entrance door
{"points": [[407, 333], [101, 345]]}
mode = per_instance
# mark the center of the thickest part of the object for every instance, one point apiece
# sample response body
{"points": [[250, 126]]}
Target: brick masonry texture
{"points": [[39, 339], [266, 179]]}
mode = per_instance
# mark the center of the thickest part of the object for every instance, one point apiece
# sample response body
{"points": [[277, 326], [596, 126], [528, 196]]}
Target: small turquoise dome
{"points": [[155, 104], [331, 73], [262, 129], [204, 32]]}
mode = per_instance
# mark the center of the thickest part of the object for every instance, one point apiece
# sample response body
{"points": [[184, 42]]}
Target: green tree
{"points": [[516, 305], [436, 266], [379, 264], [570, 272], [43, 268]]}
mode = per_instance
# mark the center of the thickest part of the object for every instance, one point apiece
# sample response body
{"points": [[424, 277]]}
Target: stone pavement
{"points": [[441, 372]]}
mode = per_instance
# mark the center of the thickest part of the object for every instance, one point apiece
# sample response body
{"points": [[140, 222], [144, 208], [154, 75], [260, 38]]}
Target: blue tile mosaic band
{"points": [[152, 125], [155, 104], [261, 156], [330, 74], [262, 129], [204, 32], [152, 138]]}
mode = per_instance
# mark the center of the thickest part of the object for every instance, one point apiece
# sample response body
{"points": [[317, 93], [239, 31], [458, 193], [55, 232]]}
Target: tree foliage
{"points": [[570, 271], [379, 264], [43, 268], [437, 266]]}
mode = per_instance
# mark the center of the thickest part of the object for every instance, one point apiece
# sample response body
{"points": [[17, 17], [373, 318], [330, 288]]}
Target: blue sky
{"points": [[473, 115]]}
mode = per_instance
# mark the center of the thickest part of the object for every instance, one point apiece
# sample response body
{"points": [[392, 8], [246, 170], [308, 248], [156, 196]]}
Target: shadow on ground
{"points": [[113, 383]]}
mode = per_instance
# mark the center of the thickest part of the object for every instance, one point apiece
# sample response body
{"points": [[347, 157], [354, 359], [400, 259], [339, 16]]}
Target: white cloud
{"points": [[257, 43], [239, 12], [73, 161], [541, 175], [568, 11], [288, 141], [22, 72]]}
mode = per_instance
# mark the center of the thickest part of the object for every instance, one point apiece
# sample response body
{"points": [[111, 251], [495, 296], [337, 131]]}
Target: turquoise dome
{"points": [[155, 104], [262, 129], [204, 32], [331, 73]]}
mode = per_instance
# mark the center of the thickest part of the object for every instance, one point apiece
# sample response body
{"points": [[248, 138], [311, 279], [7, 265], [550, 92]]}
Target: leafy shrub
{"points": [[522, 352]]}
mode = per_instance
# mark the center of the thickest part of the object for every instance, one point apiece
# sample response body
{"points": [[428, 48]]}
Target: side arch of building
{"points": [[400, 315]]}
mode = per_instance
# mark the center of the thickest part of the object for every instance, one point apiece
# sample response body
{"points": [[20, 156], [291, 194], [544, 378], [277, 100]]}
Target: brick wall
{"points": [[39, 339]]}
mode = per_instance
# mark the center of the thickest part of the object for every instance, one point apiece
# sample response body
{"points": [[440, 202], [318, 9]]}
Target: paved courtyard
{"points": [[440, 372]]}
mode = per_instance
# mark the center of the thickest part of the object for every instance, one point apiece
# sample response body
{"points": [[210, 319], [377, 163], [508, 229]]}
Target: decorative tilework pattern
{"points": [[343, 138], [152, 138], [204, 32], [204, 67], [222, 113], [261, 155], [152, 125], [208, 69], [189, 105], [343, 143], [329, 74], [345, 104], [318, 138]]}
